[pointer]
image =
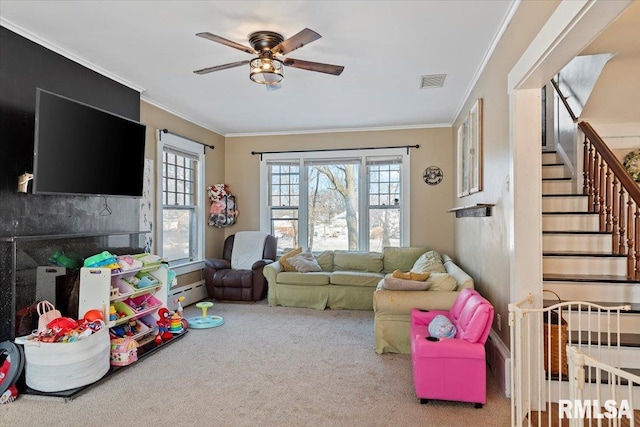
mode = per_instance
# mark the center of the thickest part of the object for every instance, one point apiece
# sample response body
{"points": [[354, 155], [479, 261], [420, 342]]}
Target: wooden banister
{"points": [[614, 196], [615, 166]]}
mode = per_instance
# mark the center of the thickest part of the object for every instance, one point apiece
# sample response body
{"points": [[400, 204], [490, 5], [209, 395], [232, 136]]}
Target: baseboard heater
{"points": [[192, 293]]}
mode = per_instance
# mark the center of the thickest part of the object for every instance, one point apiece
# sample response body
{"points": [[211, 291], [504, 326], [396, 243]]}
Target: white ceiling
{"points": [[385, 47]]}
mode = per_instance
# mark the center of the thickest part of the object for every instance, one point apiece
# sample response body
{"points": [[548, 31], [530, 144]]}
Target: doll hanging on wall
{"points": [[223, 210]]}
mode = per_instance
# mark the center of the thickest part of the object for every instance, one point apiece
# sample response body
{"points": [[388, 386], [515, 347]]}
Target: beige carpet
{"points": [[266, 366]]}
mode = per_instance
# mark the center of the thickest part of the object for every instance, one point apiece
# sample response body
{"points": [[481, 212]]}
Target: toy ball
{"points": [[93, 315]]}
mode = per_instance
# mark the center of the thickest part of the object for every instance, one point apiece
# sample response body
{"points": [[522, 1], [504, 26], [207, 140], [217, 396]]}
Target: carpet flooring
{"points": [[266, 366]]}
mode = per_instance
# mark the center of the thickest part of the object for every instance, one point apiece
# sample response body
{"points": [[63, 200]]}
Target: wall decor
{"points": [[469, 152], [224, 211], [432, 175]]}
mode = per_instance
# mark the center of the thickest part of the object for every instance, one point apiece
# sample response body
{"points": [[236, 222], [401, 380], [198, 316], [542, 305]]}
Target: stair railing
{"points": [[597, 391], [614, 196], [539, 361], [612, 193]]}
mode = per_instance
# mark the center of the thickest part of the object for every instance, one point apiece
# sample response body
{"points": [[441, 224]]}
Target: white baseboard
{"points": [[499, 359], [192, 293]]}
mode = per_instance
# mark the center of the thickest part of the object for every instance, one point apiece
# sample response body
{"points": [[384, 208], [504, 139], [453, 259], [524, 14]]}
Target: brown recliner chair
{"points": [[225, 283]]}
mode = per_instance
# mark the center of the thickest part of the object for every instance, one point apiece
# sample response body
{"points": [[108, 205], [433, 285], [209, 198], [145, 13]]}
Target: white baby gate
{"points": [[541, 383]]}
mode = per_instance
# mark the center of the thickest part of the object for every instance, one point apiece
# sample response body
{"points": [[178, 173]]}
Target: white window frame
{"points": [[265, 219], [197, 150]]}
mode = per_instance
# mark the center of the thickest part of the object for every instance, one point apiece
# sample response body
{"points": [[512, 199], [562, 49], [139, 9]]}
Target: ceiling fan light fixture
{"points": [[266, 71]]}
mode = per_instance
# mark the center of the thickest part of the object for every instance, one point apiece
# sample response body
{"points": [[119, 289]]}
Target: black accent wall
{"points": [[24, 66]]}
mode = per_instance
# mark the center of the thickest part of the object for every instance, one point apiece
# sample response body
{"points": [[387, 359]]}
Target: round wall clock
{"points": [[432, 175]]}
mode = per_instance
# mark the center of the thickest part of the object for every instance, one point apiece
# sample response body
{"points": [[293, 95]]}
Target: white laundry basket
{"points": [[52, 367]]}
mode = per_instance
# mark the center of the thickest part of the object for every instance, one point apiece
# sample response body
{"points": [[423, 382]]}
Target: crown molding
{"points": [[313, 131], [60, 51], [176, 113], [494, 44]]}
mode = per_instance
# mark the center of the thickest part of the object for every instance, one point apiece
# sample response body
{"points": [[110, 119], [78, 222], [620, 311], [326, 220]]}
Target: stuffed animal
{"points": [[441, 327], [223, 210]]}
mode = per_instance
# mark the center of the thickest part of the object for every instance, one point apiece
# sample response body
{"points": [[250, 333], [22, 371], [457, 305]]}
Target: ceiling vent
{"points": [[432, 80]]}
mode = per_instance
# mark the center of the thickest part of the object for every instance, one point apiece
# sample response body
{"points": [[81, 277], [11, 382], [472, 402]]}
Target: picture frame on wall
{"points": [[475, 147], [469, 152], [463, 159]]}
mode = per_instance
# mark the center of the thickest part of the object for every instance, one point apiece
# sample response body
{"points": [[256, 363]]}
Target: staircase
{"points": [[578, 260]]}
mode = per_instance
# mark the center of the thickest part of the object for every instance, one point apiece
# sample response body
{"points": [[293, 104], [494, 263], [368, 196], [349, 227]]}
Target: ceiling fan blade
{"points": [[271, 88], [296, 41], [336, 70], [226, 42], [221, 67]]}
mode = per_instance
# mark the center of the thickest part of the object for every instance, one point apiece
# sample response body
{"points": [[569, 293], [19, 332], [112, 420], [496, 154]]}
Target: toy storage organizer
{"points": [[99, 289]]}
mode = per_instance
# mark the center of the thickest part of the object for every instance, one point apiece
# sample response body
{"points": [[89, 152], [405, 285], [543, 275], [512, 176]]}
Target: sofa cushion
{"points": [[442, 282], [357, 261], [325, 260], [355, 278], [305, 262], [430, 261], [400, 258], [284, 259], [396, 284], [303, 279]]}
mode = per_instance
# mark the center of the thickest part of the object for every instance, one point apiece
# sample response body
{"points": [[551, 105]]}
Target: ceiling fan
{"points": [[270, 48]]}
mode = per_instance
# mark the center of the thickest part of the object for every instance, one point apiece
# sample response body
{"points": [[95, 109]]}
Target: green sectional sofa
{"points": [[393, 309], [349, 280]]}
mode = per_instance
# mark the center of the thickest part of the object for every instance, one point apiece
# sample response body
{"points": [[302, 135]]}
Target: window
{"points": [[384, 202], [284, 198], [181, 166], [326, 201]]}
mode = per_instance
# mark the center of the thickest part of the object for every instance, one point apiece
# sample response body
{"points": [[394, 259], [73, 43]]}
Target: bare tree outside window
{"points": [[333, 204]]}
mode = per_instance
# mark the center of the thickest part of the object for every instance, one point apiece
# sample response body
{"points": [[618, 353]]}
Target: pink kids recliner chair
{"points": [[452, 368]]}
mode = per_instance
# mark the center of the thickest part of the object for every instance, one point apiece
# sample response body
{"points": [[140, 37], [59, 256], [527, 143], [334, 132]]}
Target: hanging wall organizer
{"points": [[224, 211]]}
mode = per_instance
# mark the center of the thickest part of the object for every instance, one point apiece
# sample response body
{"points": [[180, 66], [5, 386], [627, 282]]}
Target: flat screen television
{"points": [[83, 150]]}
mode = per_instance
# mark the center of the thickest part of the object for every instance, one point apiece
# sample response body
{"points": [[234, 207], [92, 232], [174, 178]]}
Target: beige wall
{"points": [[610, 101], [482, 244], [156, 118], [431, 225]]}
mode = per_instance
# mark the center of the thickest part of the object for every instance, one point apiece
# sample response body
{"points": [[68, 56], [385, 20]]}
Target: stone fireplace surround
{"points": [[27, 275]]}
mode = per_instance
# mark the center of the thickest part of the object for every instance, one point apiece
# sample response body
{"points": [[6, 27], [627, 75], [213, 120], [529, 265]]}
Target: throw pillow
{"points": [[284, 259], [395, 284], [442, 282], [441, 327], [410, 275], [430, 261], [305, 262]]}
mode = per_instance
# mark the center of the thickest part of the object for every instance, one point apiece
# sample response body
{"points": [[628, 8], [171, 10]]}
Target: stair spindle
{"points": [[607, 199], [621, 248], [615, 217]]}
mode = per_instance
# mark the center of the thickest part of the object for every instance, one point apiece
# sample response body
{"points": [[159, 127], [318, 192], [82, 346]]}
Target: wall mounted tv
{"points": [[83, 150]]}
